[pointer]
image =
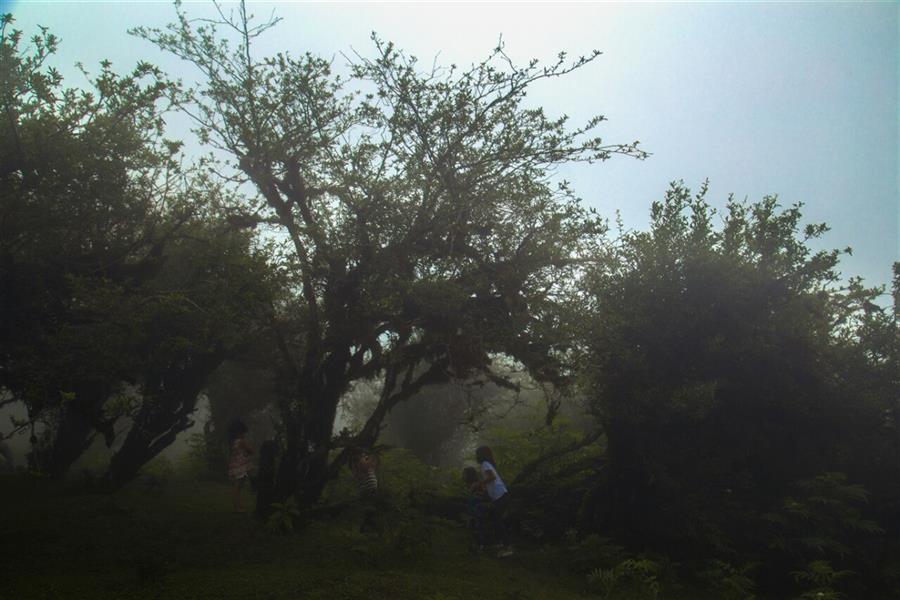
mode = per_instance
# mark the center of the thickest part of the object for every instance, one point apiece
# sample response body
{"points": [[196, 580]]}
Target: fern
{"points": [[864, 526], [821, 520], [282, 518], [820, 573], [822, 545], [729, 582], [631, 579], [823, 578]]}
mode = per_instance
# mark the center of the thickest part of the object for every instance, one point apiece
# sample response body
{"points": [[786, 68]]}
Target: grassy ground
{"points": [[181, 540]]}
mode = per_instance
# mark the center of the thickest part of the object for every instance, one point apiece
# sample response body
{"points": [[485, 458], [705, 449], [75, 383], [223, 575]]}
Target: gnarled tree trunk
{"points": [[160, 418]]}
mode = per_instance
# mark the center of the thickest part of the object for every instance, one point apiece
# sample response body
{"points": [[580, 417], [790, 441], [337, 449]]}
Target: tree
{"points": [[79, 215], [720, 369], [114, 273], [203, 307], [422, 230], [868, 373]]}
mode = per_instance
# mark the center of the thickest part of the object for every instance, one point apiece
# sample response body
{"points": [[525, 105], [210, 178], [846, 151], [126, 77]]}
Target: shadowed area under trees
{"points": [[386, 264]]}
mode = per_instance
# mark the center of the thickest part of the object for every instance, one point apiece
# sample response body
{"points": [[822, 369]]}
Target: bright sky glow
{"points": [[794, 99]]}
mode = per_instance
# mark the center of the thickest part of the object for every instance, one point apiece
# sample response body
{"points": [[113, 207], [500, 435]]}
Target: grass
{"points": [[181, 540]]}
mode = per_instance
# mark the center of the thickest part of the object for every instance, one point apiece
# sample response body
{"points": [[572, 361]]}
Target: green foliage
{"points": [[283, 516], [592, 552], [419, 236], [822, 518], [712, 364], [741, 388], [631, 579], [409, 482], [409, 532], [521, 447], [551, 469], [80, 177], [200, 455], [822, 578], [189, 544], [433, 192], [727, 582], [121, 281]]}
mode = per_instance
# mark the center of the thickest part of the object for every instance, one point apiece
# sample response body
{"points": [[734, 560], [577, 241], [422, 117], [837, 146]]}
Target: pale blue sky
{"points": [[799, 100]]}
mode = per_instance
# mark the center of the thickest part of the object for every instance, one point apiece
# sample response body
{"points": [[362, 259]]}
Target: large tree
{"points": [[79, 217], [203, 306], [729, 370], [420, 223], [117, 282]]}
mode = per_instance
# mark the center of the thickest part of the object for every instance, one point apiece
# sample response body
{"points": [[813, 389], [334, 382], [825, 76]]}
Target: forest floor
{"points": [[180, 539]]}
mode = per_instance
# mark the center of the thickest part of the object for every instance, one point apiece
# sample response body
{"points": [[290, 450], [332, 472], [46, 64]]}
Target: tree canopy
{"points": [[726, 368], [422, 229], [400, 235], [117, 280]]}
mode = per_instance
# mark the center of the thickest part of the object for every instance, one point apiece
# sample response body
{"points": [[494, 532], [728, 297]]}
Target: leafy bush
{"points": [[283, 516], [631, 579], [516, 448], [410, 533], [724, 365], [550, 471], [822, 578], [592, 552], [727, 582], [821, 518], [203, 452]]}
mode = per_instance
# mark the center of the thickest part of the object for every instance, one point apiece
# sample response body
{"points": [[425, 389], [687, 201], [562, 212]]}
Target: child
{"points": [[476, 506], [493, 484], [363, 467], [240, 452]]}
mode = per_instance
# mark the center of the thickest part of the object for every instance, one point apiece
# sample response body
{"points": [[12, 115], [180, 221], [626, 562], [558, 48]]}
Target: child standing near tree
{"points": [[363, 466], [496, 489], [240, 452]]}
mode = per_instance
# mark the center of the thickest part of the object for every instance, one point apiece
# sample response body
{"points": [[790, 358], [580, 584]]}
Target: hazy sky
{"points": [[799, 100]]}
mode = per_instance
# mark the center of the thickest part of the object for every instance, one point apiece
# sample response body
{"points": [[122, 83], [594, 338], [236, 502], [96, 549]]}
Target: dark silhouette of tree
{"points": [[422, 230], [727, 368], [119, 291], [202, 308]]}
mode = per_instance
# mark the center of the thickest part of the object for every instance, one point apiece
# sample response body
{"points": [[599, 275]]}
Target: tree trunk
{"points": [[303, 466], [73, 434], [303, 469], [160, 419], [265, 478]]}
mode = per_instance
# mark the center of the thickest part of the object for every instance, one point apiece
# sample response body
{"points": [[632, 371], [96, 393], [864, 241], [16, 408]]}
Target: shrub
{"points": [[822, 578], [727, 582], [283, 515], [631, 579], [592, 551]]}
